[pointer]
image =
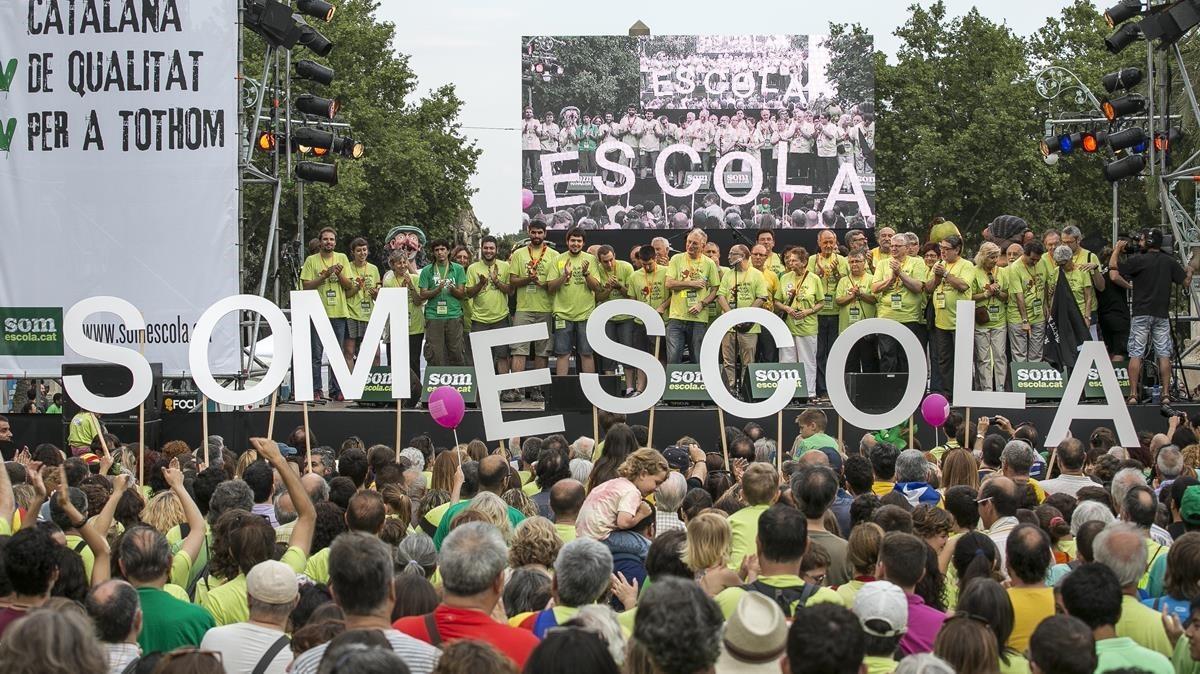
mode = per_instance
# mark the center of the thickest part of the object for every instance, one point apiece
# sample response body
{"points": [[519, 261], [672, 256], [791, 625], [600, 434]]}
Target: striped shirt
{"points": [[420, 657]]}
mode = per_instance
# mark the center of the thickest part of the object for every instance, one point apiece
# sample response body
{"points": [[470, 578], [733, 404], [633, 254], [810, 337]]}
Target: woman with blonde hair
{"points": [[443, 470], [991, 336], [535, 542], [959, 467], [862, 554], [248, 457], [164, 512], [52, 642], [493, 510], [709, 546]]}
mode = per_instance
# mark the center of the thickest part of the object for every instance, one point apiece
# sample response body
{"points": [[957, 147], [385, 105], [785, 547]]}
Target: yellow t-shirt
{"points": [[751, 286], [945, 296], [684, 268], [744, 524], [997, 308], [1144, 625], [491, 304], [857, 310], [360, 306], [333, 296], [76, 543], [729, 597], [83, 428], [1031, 605], [896, 301], [532, 297], [566, 532], [227, 603], [831, 271], [800, 294], [317, 566]]}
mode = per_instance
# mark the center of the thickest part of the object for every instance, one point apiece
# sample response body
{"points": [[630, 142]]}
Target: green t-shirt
{"points": [[317, 567], [532, 297], [515, 517], [800, 293], [1125, 653], [1142, 624], [1030, 284], [444, 305], [877, 664], [857, 310], [714, 309], [649, 288], [227, 603], [744, 525], [333, 295], [361, 304], [491, 304], [53, 409], [84, 428], [728, 598], [416, 311], [896, 301], [1182, 658], [75, 542], [831, 271], [684, 268], [168, 623], [1079, 282], [574, 300], [812, 443], [997, 311], [945, 296], [775, 264], [751, 286], [622, 272]]}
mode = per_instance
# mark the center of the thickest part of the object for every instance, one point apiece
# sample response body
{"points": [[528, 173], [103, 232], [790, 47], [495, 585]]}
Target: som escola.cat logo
{"points": [[31, 331]]}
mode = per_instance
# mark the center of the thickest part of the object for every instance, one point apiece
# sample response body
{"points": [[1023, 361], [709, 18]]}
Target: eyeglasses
{"points": [[981, 501], [815, 579]]}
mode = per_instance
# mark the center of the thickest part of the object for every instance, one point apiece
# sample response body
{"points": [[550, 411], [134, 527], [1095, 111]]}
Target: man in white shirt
{"points": [[531, 148], [1071, 458], [117, 613], [998, 512], [259, 644]]}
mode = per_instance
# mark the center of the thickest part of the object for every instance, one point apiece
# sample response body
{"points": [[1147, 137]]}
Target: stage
{"points": [[332, 422]]}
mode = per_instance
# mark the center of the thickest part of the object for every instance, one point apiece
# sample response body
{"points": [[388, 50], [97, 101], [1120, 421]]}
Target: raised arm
{"points": [[195, 538], [34, 471], [306, 514], [94, 539], [103, 521]]}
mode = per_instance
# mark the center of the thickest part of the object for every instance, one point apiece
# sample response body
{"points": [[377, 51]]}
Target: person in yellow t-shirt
{"points": [[614, 275], [360, 298], [832, 268], [528, 267], [800, 296], [693, 281], [901, 287], [1026, 280], [856, 302], [649, 285], [1087, 263], [488, 290], [950, 282], [403, 274], [327, 272], [742, 287], [991, 338], [766, 352], [882, 254], [573, 281], [766, 239]]}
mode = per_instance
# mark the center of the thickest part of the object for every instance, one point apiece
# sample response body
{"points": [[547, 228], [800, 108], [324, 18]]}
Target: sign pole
{"points": [[397, 430], [595, 425], [724, 440], [142, 421], [910, 433], [650, 429], [204, 427], [307, 438], [839, 438], [271, 416], [779, 443]]}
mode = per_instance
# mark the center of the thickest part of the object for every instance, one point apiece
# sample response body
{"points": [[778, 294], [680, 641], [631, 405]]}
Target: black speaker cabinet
{"points": [[113, 380], [566, 394], [876, 392]]}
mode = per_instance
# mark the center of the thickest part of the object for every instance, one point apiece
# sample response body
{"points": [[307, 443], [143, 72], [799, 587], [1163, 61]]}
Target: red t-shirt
{"points": [[462, 623], [9, 616]]}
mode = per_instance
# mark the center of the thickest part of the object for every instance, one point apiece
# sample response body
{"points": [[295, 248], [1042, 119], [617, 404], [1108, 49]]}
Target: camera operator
{"points": [[1151, 273]]}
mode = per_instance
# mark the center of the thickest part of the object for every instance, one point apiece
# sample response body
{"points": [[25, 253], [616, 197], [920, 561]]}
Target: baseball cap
{"points": [[885, 602], [677, 457], [755, 636], [1189, 505], [272, 582]]}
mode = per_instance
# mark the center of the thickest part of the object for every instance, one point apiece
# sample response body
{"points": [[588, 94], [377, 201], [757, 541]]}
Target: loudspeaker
{"points": [[566, 394], [876, 392], [110, 380]]}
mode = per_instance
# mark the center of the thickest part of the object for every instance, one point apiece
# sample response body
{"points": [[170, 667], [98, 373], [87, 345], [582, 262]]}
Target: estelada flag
{"points": [[1065, 330]]}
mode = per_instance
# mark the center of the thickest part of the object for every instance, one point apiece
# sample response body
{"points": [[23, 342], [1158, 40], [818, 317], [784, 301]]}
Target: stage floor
{"points": [[333, 422]]}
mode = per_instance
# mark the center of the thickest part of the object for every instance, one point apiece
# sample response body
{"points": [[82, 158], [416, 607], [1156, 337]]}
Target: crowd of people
{"points": [[761, 72], [815, 140], [1018, 280], [541, 555]]}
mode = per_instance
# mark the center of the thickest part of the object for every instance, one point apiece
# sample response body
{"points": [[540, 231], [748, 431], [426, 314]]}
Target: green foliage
{"points": [[850, 67], [959, 120], [417, 165], [600, 75]]}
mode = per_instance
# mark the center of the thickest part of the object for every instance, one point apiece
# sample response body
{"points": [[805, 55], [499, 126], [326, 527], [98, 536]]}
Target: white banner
{"points": [[118, 175]]}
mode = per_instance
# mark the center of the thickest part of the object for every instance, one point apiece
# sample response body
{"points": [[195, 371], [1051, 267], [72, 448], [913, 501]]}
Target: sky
{"points": [[475, 45]]}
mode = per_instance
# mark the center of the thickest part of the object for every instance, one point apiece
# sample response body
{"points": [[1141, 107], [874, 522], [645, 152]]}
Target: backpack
{"points": [[788, 598]]}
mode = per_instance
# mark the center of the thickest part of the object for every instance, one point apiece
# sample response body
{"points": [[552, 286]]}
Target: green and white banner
{"points": [[1040, 381]]}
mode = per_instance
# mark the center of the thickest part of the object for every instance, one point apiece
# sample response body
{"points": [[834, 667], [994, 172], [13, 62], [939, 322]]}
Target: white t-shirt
{"points": [[242, 645], [1067, 484], [598, 516]]}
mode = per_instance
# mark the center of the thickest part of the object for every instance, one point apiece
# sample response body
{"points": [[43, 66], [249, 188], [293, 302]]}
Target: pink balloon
{"points": [[935, 409], [446, 406], [526, 198], [786, 196]]}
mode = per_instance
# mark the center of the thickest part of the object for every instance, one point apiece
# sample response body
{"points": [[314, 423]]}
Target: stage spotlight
{"points": [[1091, 141], [1167, 26], [1049, 146], [1069, 141], [320, 151], [1126, 138], [348, 147], [316, 8], [1122, 12], [317, 172], [1129, 104], [1124, 36], [1050, 159], [318, 106], [272, 20], [266, 141], [316, 43], [1164, 140], [1124, 167], [1122, 79], [307, 136], [311, 70]]}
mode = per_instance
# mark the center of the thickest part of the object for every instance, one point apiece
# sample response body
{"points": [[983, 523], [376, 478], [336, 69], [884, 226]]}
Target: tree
{"points": [[601, 75], [417, 165], [851, 66]]}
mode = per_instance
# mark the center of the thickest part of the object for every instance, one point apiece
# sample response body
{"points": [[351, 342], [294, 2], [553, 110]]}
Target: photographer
{"points": [[1152, 272]]}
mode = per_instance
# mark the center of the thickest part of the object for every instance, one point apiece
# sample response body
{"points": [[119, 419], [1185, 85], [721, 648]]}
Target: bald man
{"points": [[566, 498], [831, 267], [493, 477], [116, 611]]}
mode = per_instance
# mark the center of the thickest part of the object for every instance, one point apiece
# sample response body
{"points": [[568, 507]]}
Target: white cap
{"points": [[883, 601], [272, 582]]}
